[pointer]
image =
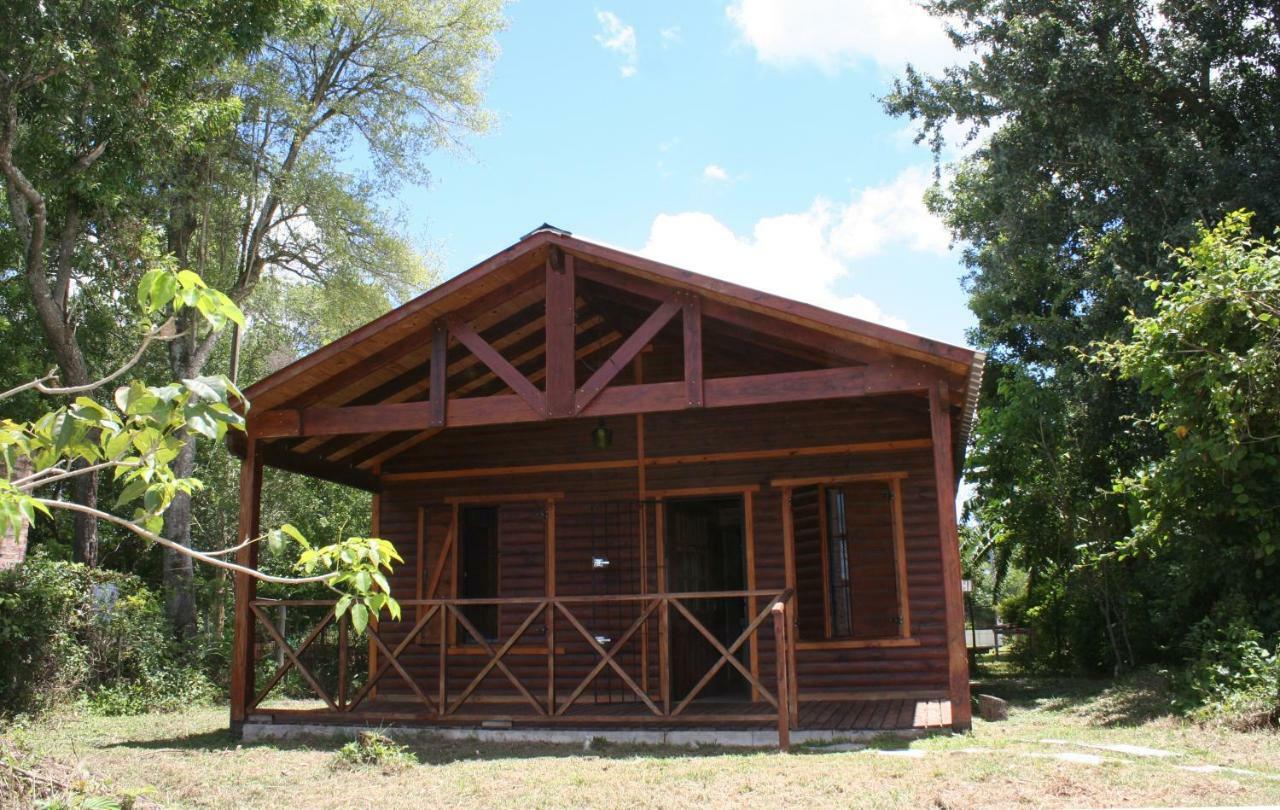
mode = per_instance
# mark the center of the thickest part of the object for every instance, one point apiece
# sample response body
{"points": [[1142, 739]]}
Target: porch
{"points": [[356, 693]]}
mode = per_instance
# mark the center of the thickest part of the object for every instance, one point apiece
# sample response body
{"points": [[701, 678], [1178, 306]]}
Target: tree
{"points": [[1209, 356], [140, 432], [89, 96], [1101, 133], [392, 79]]}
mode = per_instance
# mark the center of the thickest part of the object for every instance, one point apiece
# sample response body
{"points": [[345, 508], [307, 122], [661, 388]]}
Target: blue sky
{"points": [[740, 138]]}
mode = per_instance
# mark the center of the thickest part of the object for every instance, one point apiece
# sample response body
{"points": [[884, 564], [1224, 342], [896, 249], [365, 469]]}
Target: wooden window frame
{"points": [[893, 480], [453, 504]]}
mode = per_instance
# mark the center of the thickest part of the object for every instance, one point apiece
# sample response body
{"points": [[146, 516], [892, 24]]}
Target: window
{"points": [[478, 575], [849, 575]]}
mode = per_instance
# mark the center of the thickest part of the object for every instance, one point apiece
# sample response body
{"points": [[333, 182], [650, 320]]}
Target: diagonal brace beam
{"points": [[499, 365], [625, 353]]}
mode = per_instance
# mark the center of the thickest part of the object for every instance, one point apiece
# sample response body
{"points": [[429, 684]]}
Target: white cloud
{"points": [[834, 34], [670, 36], [716, 173], [889, 214], [620, 38], [806, 255]]}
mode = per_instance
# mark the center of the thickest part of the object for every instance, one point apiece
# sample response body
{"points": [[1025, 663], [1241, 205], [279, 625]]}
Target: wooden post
{"points": [[551, 605], [664, 614], [749, 532], [693, 351], [375, 531], [642, 492], [948, 537], [242, 650], [789, 565], [784, 690], [342, 660], [560, 334], [438, 392]]}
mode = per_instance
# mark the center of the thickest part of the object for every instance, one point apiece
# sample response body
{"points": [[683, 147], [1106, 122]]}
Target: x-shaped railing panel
{"points": [[292, 655], [607, 658], [495, 658], [727, 655]]}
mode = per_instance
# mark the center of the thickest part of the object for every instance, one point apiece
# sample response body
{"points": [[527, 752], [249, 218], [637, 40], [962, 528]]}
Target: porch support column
{"points": [[246, 587], [944, 483]]}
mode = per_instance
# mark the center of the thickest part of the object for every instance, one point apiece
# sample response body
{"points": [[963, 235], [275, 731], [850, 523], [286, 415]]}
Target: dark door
{"points": [[705, 550]]}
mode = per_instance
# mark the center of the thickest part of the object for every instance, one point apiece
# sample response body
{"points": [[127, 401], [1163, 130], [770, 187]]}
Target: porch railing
{"points": [[439, 702]]}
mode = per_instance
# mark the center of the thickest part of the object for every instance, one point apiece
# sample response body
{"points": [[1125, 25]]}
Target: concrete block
{"points": [[992, 709]]}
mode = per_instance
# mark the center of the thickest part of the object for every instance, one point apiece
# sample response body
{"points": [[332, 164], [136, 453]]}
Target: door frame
{"points": [[747, 492]]}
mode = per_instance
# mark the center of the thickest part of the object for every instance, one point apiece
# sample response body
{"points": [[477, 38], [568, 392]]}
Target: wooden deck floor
{"points": [[827, 715]]}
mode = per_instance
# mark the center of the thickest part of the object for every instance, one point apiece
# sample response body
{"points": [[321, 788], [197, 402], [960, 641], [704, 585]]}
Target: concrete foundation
{"points": [[737, 738]]}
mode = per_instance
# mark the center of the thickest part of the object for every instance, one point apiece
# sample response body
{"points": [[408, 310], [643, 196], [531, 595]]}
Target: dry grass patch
{"points": [[190, 760]]}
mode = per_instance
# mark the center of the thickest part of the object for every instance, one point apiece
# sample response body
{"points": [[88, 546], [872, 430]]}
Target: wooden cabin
{"points": [[627, 496]]}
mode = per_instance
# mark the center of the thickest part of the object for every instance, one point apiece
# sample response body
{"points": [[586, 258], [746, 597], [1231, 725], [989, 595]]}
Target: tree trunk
{"points": [[179, 571], [85, 548]]}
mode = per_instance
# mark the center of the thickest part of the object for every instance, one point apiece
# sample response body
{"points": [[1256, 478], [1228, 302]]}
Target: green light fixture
{"points": [[602, 436]]}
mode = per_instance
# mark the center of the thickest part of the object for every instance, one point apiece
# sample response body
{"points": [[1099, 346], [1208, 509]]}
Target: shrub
{"points": [[67, 631], [1232, 676], [374, 749]]}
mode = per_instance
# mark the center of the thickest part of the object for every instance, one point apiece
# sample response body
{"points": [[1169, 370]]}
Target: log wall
{"points": [[916, 666]]}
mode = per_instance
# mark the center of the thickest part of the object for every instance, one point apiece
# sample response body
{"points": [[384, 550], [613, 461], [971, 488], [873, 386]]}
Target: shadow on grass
{"points": [[1132, 700]]}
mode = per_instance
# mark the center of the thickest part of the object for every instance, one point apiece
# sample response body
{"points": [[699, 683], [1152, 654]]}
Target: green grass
{"points": [[188, 760]]}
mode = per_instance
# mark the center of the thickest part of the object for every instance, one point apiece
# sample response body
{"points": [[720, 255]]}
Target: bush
{"points": [[371, 748], [1232, 676], [67, 631]]}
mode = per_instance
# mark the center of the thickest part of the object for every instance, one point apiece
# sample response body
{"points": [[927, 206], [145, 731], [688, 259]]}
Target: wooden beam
{"points": [[499, 365], [399, 447], [242, 663], [625, 353], [281, 458], [759, 389], [693, 350], [844, 479], [560, 334], [438, 392], [948, 538], [344, 450]]}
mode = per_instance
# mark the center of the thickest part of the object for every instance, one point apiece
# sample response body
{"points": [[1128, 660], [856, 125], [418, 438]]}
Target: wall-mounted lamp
{"points": [[602, 437]]}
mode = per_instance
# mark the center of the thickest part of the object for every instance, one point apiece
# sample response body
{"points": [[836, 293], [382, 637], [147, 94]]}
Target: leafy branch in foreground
{"points": [[138, 434]]}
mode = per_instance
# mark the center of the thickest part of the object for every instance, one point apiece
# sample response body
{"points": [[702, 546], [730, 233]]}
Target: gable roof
{"points": [[491, 276]]}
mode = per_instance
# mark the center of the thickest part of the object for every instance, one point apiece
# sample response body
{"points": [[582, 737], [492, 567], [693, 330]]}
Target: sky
{"points": [[738, 138]]}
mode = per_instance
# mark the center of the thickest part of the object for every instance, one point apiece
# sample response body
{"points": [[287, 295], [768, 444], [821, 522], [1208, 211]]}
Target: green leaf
{"points": [[132, 491], [341, 607], [359, 617], [292, 531]]}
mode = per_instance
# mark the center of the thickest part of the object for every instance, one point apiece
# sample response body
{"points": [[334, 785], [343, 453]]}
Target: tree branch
{"points": [[204, 557]]}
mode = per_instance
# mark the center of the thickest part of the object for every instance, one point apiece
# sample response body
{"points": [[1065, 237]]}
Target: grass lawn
{"points": [[1051, 752]]}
